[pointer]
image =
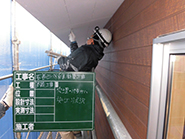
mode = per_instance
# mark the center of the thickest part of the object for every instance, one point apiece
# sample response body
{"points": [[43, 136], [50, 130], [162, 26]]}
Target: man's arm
{"points": [[72, 39], [64, 62], [6, 101], [3, 109]]}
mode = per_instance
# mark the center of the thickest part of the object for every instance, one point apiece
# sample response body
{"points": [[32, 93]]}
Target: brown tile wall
{"points": [[124, 72]]}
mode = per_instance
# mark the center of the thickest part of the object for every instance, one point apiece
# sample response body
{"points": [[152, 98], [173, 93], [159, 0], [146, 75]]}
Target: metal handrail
{"points": [[11, 75], [118, 129]]}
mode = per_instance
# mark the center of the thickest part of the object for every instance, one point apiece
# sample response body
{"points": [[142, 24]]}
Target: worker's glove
{"points": [[64, 64], [8, 96], [72, 37], [3, 109]]}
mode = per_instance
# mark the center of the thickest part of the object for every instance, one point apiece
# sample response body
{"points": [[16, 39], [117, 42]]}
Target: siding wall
{"points": [[124, 72]]}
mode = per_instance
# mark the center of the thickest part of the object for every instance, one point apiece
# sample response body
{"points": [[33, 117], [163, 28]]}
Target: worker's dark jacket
{"points": [[84, 58]]}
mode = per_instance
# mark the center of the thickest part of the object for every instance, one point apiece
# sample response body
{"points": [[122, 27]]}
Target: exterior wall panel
{"points": [[125, 71]]}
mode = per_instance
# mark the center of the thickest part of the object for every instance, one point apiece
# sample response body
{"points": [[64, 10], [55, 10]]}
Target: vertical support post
{"points": [[15, 43], [15, 40], [51, 49]]}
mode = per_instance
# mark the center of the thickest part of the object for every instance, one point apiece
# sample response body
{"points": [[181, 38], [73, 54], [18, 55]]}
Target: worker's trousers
{"points": [[69, 134]]}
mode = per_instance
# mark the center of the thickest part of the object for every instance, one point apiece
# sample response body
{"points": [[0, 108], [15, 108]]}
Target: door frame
{"points": [[163, 47]]}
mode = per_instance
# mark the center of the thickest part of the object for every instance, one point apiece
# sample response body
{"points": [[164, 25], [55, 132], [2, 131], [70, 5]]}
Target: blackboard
{"points": [[53, 101]]}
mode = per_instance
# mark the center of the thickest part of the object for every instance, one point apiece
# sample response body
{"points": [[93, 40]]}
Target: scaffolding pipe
{"points": [[41, 133], [41, 67], [6, 77], [28, 135], [118, 129], [53, 54], [11, 75]]}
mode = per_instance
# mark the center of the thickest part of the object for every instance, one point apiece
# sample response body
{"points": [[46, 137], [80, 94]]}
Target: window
{"points": [[167, 103]]}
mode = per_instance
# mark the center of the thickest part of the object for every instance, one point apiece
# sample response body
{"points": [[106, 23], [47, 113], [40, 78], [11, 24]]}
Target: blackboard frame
{"points": [[44, 99]]}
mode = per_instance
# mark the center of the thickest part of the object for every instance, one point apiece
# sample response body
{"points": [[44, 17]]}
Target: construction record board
{"points": [[53, 101]]}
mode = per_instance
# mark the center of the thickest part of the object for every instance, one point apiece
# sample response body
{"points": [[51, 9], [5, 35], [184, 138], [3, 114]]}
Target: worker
{"points": [[6, 101], [85, 58]]}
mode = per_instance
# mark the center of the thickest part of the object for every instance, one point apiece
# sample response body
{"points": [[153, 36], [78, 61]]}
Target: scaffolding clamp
{"points": [[16, 44]]}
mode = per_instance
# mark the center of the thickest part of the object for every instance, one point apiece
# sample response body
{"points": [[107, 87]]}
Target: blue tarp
{"points": [[5, 64], [35, 39]]}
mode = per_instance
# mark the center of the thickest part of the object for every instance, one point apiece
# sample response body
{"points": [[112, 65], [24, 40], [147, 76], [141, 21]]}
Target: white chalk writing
{"points": [[24, 102], [59, 76], [66, 90], [17, 93], [24, 110], [43, 84], [31, 84], [73, 100], [24, 126], [31, 93], [25, 76]]}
